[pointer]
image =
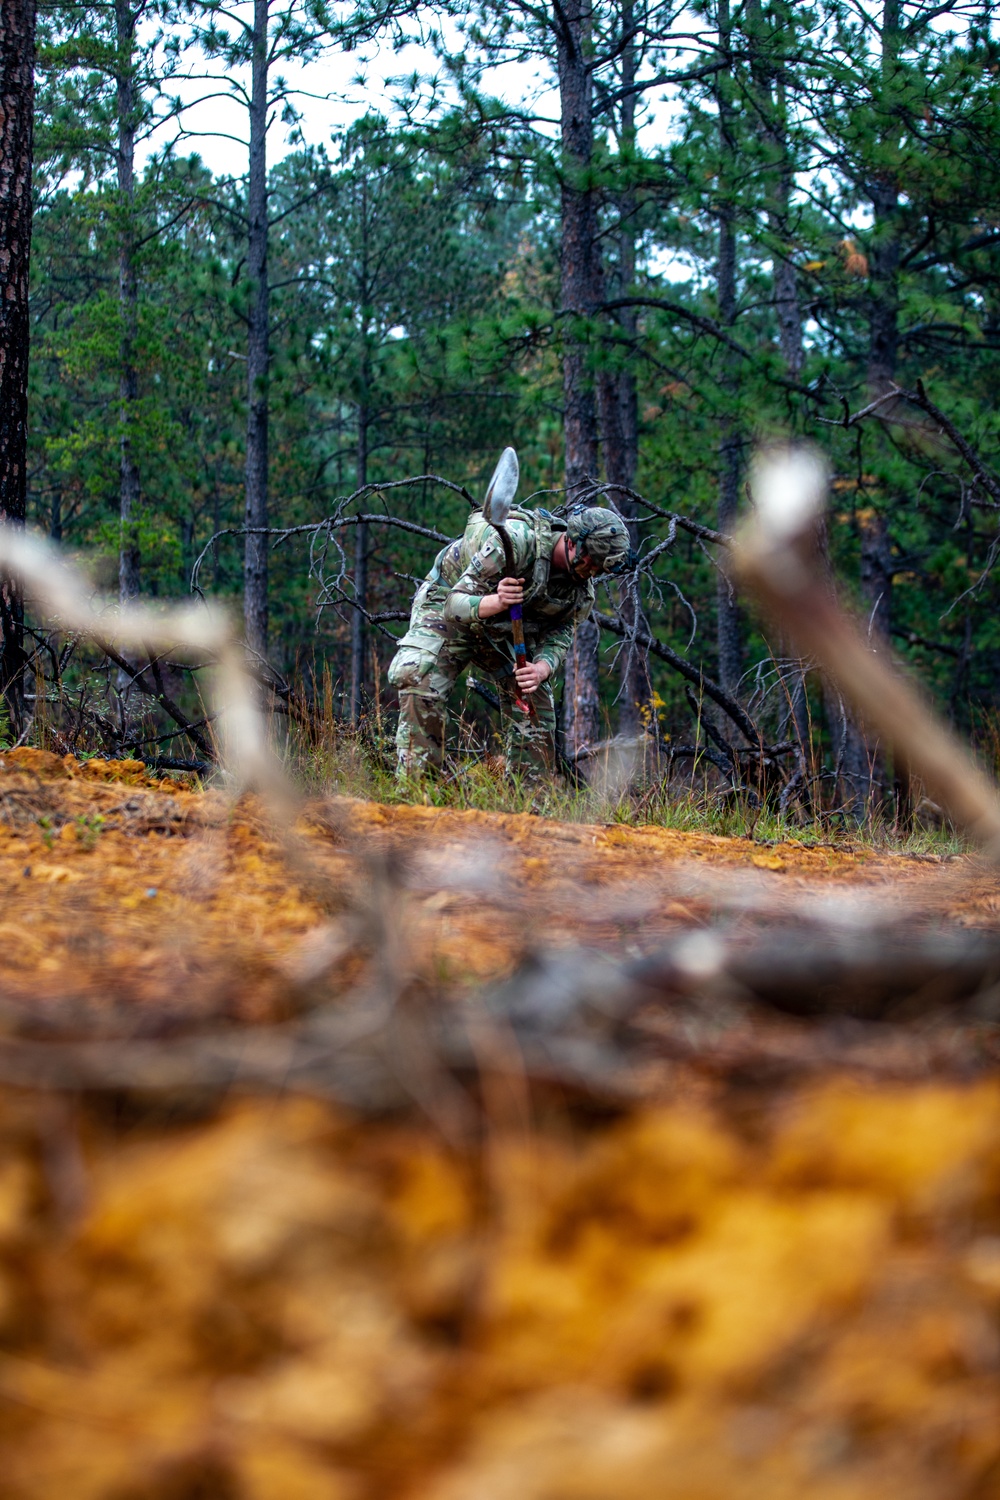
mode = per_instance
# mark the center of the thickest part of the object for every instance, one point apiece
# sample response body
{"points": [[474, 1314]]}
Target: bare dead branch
{"points": [[158, 694], [693, 674]]}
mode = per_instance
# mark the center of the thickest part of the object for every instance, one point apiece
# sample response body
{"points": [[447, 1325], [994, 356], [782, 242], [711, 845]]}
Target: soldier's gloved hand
{"points": [[531, 676], [510, 591]]}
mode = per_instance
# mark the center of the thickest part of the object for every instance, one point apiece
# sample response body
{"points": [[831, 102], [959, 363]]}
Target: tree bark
{"points": [[17, 99], [255, 555], [580, 257], [764, 36], [358, 621], [770, 100], [883, 297], [619, 413], [728, 641], [786, 294], [864, 766], [581, 695], [128, 297], [885, 251], [581, 293], [619, 434]]}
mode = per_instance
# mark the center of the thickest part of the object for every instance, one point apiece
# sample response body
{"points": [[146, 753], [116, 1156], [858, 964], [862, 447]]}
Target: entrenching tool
{"points": [[496, 508]]}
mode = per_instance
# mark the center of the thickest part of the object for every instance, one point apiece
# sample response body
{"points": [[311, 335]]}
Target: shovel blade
{"points": [[502, 488]]}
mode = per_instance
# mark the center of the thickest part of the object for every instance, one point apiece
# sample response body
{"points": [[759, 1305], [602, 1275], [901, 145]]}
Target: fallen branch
{"points": [[165, 763], [688, 670], [594, 487], [158, 694], [986, 477], [314, 528], [919, 398], [590, 1021]]}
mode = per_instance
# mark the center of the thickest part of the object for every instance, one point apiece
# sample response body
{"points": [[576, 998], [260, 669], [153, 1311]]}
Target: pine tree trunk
{"points": [[255, 555], [216, 528], [128, 297], [619, 413], [581, 290], [619, 436], [886, 247], [789, 311], [864, 766], [580, 261], [359, 633], [762, 37], [728, 635], [786, 301], [17, 98], [358, 621], [728, 641], [770, 100], [581, 695], [883, 296]]}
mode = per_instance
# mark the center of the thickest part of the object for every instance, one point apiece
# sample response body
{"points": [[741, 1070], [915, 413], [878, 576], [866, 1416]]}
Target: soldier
{"points": [[460, 618]]}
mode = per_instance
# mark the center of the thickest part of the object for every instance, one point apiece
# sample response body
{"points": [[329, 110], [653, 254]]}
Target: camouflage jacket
{"points": [[468, 569]]}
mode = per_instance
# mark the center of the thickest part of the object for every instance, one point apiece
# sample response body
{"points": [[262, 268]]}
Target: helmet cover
{"points": [[600, 535]]}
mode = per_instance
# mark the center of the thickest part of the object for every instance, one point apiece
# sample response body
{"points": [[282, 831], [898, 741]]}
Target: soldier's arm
{"points": [[474, 585], [479, 583]]}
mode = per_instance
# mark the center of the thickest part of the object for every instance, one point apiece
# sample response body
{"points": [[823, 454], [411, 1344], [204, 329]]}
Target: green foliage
{"points": [[415, 290], [88, 829]]}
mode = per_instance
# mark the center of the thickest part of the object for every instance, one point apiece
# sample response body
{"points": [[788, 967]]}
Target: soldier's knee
{"points": [[409, 668]]}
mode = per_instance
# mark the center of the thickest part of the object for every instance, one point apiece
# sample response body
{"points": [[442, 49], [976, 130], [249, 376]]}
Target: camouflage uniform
{"points": [[446, 635]]}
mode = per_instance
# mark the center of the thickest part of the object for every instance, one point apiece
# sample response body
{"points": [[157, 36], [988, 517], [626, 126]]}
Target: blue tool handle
{"points": [[517, 630]]}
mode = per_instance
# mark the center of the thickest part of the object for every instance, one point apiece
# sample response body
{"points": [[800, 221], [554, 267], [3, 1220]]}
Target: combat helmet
{"points": [[600, 535]]}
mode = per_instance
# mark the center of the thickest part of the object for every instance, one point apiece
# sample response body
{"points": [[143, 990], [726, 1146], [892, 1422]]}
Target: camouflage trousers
{"points": [[424, 670]]}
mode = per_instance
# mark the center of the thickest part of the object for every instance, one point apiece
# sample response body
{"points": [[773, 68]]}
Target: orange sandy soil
{"points": [[732, 1294], [146, 904]]}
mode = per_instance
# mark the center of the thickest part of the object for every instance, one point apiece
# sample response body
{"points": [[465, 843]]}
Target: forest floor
{"points": [[767, 1264]]}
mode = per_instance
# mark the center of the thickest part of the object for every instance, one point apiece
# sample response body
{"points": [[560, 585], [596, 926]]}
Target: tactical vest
{"points": [[547, 530], [542, 611]]}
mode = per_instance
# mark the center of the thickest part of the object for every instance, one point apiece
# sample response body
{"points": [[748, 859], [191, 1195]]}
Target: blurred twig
{"points": [[777, 559]]}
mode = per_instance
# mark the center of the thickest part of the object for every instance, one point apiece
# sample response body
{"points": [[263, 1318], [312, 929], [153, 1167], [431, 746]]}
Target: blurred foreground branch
{"points": [[777, 559]]}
